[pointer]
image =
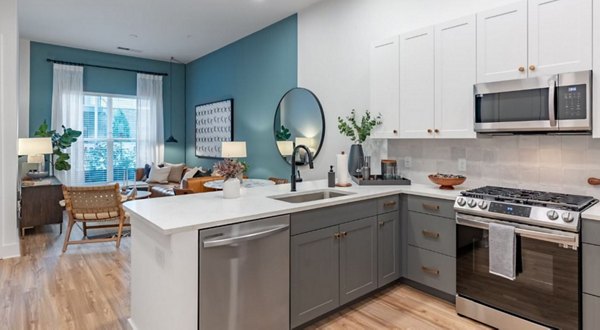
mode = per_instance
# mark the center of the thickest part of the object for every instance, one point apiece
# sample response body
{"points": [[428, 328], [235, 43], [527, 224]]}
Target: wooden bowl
{"points": [[447, 183]]}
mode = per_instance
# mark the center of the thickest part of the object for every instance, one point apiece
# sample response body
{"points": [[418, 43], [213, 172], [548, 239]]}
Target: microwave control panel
{"points": [[571, 102]]}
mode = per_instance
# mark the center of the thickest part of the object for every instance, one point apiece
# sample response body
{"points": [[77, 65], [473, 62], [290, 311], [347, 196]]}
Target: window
{"points": [[109, 137]]}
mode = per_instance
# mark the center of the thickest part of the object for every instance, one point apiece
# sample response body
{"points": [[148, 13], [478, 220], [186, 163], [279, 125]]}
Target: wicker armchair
{"points": [[94, 204]]}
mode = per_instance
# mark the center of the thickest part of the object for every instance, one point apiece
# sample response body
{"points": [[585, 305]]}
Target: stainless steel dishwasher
{"points": [[244, 275]]}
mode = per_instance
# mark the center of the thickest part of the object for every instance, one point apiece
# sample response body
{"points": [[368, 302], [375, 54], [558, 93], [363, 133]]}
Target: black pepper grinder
{"points": [[331, 177]]}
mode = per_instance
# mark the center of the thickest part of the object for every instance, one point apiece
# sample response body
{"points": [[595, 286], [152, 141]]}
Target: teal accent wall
{"points": [[107, 81], [256, 72]]}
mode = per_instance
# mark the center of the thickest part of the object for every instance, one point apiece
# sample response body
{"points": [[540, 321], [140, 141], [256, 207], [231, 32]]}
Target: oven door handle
{"points": [[564, 239]]}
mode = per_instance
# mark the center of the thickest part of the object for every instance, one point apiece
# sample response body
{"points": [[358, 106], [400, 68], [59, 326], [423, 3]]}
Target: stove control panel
{"points": [[516, 210]]}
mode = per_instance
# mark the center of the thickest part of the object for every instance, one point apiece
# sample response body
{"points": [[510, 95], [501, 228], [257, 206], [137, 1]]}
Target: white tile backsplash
{"points": [[553, 163]]}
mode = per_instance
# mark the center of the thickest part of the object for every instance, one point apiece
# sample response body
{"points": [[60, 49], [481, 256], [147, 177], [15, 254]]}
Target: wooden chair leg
{"points": [[68, 235], [120, 232], [85, 229]]}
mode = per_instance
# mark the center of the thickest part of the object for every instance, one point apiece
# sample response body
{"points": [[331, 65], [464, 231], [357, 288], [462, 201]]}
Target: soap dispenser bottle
{"points": [[331, 177]]}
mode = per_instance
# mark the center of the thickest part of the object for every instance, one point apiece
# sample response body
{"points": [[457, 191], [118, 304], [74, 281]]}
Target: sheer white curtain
{"points": [[67, 110], [150, 131]]}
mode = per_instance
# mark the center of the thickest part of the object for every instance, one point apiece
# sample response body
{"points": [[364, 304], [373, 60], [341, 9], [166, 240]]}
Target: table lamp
{"points": [[35, 149], [233, 149], [285, 148]]}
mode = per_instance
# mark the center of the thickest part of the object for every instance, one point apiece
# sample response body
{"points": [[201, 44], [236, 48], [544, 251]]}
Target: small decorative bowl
{"points": [[447, 181]]}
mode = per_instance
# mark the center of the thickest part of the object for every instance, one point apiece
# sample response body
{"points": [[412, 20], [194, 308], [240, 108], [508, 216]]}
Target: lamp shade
{"points": [[307, 142], [285, 147], [235, 149], [35, 146]]}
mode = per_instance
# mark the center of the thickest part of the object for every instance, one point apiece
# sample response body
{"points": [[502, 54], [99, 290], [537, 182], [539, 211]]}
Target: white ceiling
{"points": [[158, 29]]}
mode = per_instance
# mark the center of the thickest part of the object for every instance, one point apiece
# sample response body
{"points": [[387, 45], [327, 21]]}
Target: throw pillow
{"points": [[147, 169], [190, 173], [176, 171], [159, 174], [202, 173]]}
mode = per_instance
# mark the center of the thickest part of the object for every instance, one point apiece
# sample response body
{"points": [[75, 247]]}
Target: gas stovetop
{"points": [[540, 208]]}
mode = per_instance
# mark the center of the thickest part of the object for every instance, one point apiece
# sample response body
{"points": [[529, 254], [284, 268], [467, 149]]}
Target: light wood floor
{"points": [[88, 288]]}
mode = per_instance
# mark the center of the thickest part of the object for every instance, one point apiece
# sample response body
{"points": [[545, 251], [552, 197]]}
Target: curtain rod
{"points": [[105, 67]]}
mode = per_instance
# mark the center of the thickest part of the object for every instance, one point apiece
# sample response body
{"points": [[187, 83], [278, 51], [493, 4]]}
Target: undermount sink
{"points": [[310, 196]]}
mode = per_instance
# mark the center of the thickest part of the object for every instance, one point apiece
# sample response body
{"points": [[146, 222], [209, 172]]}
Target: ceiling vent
{"points": [[127, 49]]}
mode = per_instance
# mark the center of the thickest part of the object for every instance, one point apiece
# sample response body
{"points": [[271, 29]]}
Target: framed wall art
{"points": [[214, 124]]}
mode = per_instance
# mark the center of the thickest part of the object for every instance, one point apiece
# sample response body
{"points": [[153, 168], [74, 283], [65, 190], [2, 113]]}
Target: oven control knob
{"points": [[568, 217], [483, 205], [552, 215], [461, 201], [472, 203]]}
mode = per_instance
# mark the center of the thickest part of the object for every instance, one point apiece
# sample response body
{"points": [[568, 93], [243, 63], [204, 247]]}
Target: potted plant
{"points": [[358, 132], [60, 143], [232, 171]]}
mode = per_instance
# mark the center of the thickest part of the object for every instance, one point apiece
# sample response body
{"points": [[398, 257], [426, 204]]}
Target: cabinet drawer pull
{"points": [[336, 235], [389, 204], [521, 69], [430, 234], [381, 223], [344, 234], [431, 271], [431, 207], [532, 67]]}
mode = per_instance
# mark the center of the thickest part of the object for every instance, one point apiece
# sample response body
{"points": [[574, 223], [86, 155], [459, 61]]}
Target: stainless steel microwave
{"points": [[558, 103]]}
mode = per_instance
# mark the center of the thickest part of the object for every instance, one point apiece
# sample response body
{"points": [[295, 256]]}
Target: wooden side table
{"points": [[40, 203]]}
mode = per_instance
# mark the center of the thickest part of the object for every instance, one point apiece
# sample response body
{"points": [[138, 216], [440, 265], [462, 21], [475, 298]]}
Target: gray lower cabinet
{"points": [[336, 257], [358, 258], [432, 269], [591, 274], [591, 312], [431, 243], [388, 248], [314, 274]]}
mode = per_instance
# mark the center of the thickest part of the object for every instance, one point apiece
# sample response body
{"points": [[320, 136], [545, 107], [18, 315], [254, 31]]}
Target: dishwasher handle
{"points": [[243, 238]]}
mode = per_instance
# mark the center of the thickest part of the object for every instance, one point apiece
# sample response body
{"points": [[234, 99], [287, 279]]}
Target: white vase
{"points": [[231, 188]]}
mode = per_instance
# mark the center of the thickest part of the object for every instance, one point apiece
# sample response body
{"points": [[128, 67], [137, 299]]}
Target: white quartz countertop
{"points": [[593, 213], [170, 215]]}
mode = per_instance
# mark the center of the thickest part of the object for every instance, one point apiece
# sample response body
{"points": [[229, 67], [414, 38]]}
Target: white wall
{"points": [[334, 37], [9, 104], [24, 63]]}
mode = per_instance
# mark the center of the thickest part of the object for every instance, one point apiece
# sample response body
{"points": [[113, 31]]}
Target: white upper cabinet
{"points": [[455, 75], [385, 86], [560, 36], [502, 43], [417, 83]]}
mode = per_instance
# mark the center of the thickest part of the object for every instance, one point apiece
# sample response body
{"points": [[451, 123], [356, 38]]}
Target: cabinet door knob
{"points": [[381, 223], [344, 234], [521, 69], [395, 131], [436, 130], [429, 130], [532, 67], [336, 235]]}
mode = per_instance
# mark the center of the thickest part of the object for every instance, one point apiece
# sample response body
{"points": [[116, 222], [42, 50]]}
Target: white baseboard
{"points": [[10, 251]]}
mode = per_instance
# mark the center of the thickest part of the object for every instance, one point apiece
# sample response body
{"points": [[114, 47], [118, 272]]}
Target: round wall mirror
{"points": [[299, 119]]}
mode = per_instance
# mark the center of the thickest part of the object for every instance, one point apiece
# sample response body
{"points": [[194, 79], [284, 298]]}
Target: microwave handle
{"points": [[552, 101]]}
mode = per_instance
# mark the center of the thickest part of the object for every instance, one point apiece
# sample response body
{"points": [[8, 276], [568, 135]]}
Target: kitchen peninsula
{"points": [[165, 239]]}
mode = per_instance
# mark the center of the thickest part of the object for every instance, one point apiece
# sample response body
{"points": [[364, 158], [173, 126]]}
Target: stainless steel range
{"points": [[546, 290]]}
